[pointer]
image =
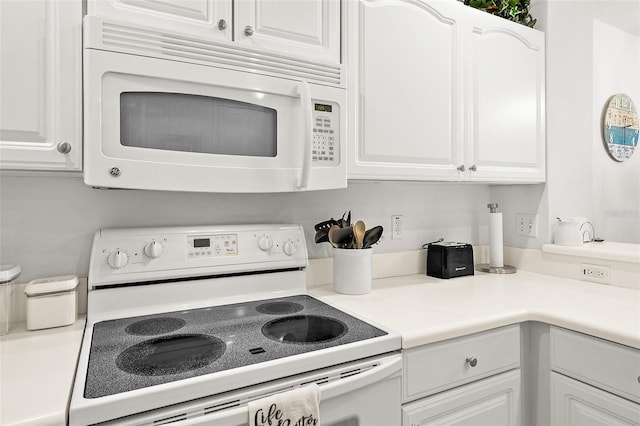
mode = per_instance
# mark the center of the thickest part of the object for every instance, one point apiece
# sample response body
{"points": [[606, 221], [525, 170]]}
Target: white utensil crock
{"points": [[352, 271]]}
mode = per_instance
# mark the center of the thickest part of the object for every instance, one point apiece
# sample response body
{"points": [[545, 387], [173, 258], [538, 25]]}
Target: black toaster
{"points": [[449, 260]]}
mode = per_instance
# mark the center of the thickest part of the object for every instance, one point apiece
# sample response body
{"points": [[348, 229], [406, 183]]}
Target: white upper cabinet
{"points": [[209, 18], [309, 28], [440, 91], [405, 90], [41, 85], [505, 99], [302, 29]]}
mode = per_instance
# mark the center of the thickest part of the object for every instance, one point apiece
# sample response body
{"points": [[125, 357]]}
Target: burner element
{"points": [[171, 354], [154, 326], [279, 308], [304, 329]]}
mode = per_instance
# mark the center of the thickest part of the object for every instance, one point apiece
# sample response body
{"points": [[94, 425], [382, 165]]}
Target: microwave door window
{"points": [[198, 124]]}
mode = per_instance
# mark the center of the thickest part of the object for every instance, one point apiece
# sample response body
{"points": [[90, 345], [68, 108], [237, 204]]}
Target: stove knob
{"points": [[290, 248], [153, 250], [265, 243], [118, 259]]}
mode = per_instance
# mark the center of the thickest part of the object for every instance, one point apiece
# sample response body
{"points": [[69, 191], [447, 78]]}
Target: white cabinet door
{"points": [[204, 18], [309, 28], [505, 69], [494, 401], [441, 91], [405, 84], [41, 85], [576, 404]]}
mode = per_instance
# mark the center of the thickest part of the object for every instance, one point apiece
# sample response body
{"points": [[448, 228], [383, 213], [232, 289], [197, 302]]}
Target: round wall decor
{"points": [[621, 127]]}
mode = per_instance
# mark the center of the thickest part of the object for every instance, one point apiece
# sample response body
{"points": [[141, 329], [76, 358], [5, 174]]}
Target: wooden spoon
{"points": [[332, 231], [358, 233]]}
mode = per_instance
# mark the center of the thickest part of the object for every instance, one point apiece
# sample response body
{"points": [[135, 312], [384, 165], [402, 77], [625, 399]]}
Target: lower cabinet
{"points": [[482, 380], [492, 401], [593, 381], [470, 380], [574, 403]]}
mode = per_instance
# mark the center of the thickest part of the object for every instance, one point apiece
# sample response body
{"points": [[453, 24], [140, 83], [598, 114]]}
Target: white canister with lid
{"points": [[51, 302], [8, 275]]}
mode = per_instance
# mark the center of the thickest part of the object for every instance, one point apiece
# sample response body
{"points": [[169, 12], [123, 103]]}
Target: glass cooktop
{"points": [[137, 352]]}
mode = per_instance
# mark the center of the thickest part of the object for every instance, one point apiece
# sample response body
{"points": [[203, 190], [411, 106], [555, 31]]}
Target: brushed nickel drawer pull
{"points": [[472, 361]]}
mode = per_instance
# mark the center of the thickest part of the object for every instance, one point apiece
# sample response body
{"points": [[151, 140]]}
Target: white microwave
{"points": [[169, 112]]}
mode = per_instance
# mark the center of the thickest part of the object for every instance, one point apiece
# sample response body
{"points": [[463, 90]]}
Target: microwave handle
{"points": [[305, 100]]}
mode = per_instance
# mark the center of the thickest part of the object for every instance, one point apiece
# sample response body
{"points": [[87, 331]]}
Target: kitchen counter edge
{"points": [[424, 309]]}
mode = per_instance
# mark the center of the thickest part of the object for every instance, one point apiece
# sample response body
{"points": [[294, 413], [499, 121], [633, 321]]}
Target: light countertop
{"points": [[425, 309], [36, 373], [37, 367]]}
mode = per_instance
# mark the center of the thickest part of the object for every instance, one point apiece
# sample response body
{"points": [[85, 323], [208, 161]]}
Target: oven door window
{"points": [[198, 124]]}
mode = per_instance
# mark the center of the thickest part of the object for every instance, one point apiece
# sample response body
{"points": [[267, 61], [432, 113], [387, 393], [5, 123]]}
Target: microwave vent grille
{"points": [[156, 43]]}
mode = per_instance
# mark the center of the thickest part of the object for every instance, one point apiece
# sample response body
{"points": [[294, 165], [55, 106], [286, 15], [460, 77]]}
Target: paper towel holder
{"points": [[486, 267]]}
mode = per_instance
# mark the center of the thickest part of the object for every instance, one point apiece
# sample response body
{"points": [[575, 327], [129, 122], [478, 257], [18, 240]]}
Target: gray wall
{"points": [[47, 223], [584, 68]]}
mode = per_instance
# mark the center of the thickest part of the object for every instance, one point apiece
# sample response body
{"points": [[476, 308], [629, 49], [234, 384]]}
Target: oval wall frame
{"points": [[620, 127]]}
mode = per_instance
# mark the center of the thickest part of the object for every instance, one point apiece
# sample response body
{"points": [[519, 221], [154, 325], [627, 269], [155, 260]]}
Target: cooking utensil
{"points": [[359, 230], [322, 236], [345, 220], [372, 236], [331, 235], [325, 225], [342, 237]]}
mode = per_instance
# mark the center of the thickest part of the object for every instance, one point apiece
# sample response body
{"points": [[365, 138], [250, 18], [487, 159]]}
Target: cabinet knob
{"points": [[64, 147], [472, 361], [248, 31], [461, 167], [473, 168], [222, 24]]}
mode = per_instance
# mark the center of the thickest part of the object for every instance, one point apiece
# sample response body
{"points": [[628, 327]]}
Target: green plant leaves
{"points": [[513, 10]]}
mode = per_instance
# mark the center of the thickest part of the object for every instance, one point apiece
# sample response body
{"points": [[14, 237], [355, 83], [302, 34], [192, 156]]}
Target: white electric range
{"points": [[189, 324]]}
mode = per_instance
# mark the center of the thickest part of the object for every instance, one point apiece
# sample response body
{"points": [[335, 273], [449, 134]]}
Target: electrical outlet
{"points": [[396, 227], [527, 225], [596, 273]]}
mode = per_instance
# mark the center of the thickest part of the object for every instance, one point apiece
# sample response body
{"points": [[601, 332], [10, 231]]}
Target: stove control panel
{"points": [[148, 254], [199, 246]]}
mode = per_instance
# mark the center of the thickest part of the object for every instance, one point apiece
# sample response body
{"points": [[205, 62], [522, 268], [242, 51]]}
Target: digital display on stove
{"points": [[201, 242]]}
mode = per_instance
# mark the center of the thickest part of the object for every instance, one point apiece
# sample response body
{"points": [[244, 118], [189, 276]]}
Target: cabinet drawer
{"points": [[443, 365], [603, 364]]}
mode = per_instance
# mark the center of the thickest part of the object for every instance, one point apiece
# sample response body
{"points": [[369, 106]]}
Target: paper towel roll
{"points": [[495, 240]]}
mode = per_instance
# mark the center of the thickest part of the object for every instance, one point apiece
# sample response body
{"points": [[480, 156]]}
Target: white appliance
{"points": [[167, 111], [189, 324]]}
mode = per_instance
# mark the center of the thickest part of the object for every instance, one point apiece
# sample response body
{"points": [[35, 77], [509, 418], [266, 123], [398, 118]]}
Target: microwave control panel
{"points": [[326, 131]]}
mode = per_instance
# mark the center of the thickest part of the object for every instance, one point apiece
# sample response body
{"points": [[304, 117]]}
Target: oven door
{"points": [[362, 393], [168, 125]]}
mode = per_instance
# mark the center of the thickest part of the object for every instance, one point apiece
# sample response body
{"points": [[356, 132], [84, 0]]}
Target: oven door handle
{"points": [[388, 367], [305, 101]]}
